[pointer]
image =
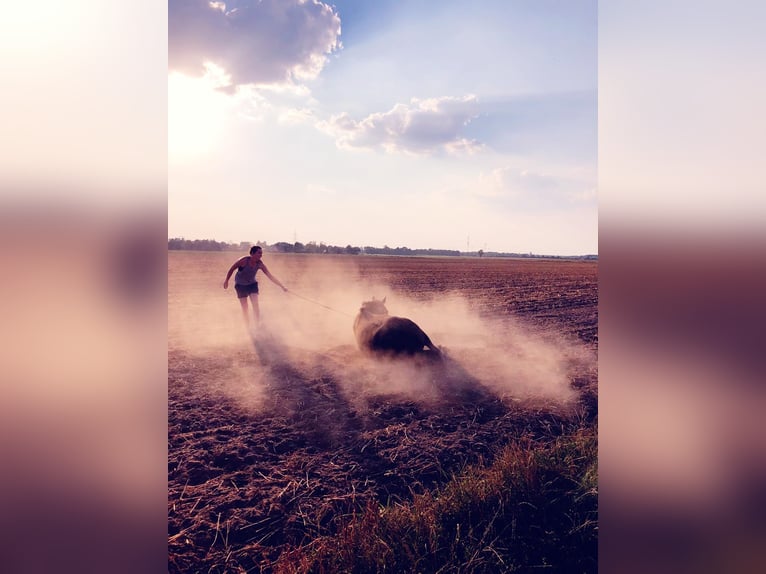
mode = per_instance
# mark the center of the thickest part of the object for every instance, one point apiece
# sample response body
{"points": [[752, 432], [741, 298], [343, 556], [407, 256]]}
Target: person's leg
{"points": [[256, 309], [242, 293], [245, 315]]}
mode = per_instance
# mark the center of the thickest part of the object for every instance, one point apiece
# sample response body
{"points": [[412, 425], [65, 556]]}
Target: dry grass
{"points": [[308, 458], [534, 507]]}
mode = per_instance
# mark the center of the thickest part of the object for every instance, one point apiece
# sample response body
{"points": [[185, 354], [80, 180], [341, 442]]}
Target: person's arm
{"points": [[270, 276], [231, 270]]}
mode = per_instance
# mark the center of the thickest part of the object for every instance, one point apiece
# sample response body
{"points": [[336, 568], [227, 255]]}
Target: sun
{"points": [[196, 116]]}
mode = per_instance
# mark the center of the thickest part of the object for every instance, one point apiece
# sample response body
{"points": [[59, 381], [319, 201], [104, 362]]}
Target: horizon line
{"points": [[236, 244]]}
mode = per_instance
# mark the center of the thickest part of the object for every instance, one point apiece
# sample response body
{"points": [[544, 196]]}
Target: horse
{"points": [[377, 332]]}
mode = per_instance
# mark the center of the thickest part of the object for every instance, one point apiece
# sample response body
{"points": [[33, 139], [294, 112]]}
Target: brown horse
{"points": [[377, 332]]}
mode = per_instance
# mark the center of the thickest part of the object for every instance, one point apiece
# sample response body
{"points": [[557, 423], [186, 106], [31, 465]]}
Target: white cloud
{"points": [[294, 116], [516, 183], [422, 127], [529, 190], [526, 181], [255, 42], [289, 104]]}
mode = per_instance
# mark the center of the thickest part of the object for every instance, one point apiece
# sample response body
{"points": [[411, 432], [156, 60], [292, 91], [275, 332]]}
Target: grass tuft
{"points": [[534, 506]]}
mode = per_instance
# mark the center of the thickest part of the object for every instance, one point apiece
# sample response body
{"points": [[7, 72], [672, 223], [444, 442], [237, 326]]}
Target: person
{"points": [[245, 283]]}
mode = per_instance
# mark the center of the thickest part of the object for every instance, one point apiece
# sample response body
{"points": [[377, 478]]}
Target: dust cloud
{"points": [[306, 334]]}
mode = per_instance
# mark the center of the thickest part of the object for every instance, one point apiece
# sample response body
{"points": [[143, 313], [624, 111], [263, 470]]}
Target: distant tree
{"points": [[180, 243], [284, 247], [198, 244]]}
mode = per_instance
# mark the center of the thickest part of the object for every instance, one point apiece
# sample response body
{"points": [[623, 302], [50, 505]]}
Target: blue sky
{"points": [[420, 123]]}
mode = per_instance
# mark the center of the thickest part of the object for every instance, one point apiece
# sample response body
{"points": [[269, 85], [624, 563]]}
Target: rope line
{"points": [[318, 303]]}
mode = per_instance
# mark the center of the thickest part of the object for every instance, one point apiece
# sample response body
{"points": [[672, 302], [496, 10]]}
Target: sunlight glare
{"points": [[196, 116]]}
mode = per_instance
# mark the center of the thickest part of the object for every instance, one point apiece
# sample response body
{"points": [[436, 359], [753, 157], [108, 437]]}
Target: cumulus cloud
{"points": [[254, 41], [293, 116], [289, 104], [427, 126]]}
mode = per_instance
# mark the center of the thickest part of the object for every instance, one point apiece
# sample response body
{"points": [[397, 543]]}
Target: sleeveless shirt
{"points": [[246, 274]]}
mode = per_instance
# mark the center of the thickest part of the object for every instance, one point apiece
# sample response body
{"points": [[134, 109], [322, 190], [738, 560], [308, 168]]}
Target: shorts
{"points": [[245, 290]]}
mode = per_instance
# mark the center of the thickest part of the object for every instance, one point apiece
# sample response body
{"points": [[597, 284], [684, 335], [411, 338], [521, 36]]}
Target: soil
{"points": [[270, 446]]}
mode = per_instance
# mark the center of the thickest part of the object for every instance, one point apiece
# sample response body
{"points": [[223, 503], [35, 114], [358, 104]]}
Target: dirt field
{"points": [[276, 437]]}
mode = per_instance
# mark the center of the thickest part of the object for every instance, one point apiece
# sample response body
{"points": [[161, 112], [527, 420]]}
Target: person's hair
{"points": [[255, 248]]}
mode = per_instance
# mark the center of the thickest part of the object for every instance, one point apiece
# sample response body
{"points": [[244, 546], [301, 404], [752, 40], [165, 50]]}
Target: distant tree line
{"points": [[313, 247], [179, 243], [481, 253], [386, 250]]}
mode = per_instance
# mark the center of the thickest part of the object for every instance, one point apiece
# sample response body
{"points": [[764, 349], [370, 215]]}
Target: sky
{"points": [[445, 125]]}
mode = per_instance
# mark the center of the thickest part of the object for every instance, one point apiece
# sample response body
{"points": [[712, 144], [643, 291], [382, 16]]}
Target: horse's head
{"points": [[374, 307]]}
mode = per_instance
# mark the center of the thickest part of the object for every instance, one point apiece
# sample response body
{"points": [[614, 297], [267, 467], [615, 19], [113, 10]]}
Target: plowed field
{"points": [[278, 434]]}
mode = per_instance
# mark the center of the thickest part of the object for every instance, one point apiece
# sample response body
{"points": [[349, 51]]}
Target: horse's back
{"points": [[381, 333], [399, 335]]}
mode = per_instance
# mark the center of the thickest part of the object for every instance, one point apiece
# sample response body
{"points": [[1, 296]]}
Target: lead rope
{"points": [[318, 303]]}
